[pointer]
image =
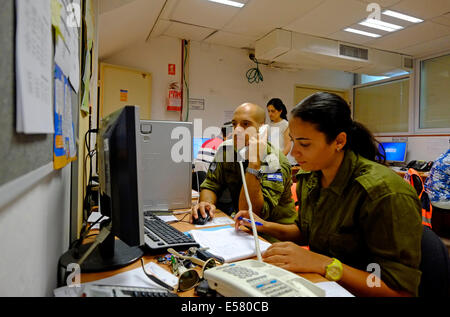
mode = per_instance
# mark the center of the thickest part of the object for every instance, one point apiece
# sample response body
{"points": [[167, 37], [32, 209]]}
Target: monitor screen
{"points": [[120, 170], [394, 151], [196, 145]]}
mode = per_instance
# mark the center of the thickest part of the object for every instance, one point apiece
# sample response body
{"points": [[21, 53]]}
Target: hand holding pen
{"points": [[242, 219]]}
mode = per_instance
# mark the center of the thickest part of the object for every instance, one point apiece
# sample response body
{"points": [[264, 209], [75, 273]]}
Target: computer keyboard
{"points": [[159, 236], [95, 290]]}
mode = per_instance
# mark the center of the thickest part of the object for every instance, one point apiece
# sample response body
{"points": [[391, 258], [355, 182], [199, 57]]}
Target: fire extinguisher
{"points": [[173, 100]]}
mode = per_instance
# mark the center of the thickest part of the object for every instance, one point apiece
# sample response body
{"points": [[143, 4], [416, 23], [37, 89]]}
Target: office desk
{"points": [[182, 226]]}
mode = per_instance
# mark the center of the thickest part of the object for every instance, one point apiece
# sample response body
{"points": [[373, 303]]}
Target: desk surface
{"points": [[182, 226]]}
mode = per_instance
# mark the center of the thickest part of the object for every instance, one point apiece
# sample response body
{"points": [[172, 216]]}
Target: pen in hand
{"points": [[249, 221]]}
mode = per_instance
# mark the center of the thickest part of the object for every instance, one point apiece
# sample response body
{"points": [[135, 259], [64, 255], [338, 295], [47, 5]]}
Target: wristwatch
{"points": [[334, 270], [258, 174]]}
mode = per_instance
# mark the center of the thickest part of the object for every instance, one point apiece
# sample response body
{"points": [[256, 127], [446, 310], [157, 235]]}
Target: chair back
{"points": [[435, 266]]}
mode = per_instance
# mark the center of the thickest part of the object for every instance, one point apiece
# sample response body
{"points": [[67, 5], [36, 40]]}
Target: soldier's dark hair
{"points": [[331, 115]]}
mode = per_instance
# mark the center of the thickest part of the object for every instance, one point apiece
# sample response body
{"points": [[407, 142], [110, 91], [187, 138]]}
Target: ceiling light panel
{"points": [[362, 32], [229, 3], [402, 16], [381, 25]]}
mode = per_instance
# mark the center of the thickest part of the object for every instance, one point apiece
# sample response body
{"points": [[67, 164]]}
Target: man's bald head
{"points": [[251, 112]]}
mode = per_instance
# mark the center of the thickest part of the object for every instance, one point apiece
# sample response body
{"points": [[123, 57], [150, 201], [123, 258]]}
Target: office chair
{"points": [[294, 195], [435, 266]]}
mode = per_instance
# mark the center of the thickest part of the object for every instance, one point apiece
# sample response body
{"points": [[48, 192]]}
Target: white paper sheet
{"points": [[34, 73], [228, 243], [333, 289], [133, 278], [67, 46], [217, 221], [168, 219]]}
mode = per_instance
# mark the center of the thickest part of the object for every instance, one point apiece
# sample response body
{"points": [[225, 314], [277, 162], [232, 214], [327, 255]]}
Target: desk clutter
{"points": [[208, 269]]}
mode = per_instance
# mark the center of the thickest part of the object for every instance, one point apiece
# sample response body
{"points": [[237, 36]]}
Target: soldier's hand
{"points": [[245, 214], [203, 208]]}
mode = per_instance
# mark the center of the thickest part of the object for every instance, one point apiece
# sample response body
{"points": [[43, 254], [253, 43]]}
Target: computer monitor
{"points": [[196, 146], [395, 152], [120, 172]]}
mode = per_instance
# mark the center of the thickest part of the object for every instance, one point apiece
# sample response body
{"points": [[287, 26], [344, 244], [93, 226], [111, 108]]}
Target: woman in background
{"points": [[278, 128]]}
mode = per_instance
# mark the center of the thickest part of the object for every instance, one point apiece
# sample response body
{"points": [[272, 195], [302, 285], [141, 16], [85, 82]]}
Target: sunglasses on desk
{"points": [[188, 278]]}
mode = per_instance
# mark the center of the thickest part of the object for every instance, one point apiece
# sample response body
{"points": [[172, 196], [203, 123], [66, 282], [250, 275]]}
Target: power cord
{"points": [[254, 75], [250, 212], [104, 233], [186, 56]]}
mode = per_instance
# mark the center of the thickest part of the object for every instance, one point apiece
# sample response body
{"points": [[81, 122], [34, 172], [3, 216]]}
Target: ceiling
{"points": [[124, 22]]}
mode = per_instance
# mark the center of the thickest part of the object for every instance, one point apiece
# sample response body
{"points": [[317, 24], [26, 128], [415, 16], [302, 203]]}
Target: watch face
{"points": [[334, 272]]}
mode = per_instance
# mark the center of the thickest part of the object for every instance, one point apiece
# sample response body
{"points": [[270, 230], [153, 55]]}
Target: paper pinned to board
{"points": [[34, 67], [67, 39]]}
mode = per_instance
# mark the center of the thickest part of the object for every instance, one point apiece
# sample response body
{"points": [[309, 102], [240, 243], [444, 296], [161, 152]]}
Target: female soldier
{"points": [[357, 216]]}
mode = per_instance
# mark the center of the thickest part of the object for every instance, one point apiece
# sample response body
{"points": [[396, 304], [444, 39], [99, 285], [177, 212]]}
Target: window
{"points": [[383, 107], [302, 92], [434, 109], [365, 79]]}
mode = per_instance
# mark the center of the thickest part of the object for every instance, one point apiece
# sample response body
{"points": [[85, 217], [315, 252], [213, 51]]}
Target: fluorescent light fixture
{"points": [[229, 3], [362, 32], [378, 24], [402, 16]]}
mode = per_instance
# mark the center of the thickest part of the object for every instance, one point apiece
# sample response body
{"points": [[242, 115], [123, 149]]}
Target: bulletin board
{"points": [[20, 153]]}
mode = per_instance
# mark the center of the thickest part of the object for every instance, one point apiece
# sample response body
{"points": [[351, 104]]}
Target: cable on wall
{"points": [[254, 75], [186, 84]]}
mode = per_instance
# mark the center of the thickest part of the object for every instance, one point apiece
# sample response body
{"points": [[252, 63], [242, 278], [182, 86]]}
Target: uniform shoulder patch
{"points": [[275, 177], [212, 167]]}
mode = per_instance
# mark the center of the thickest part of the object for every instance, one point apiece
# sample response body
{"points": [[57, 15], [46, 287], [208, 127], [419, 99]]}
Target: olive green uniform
{"points": [[367, 215], [276, 187]]}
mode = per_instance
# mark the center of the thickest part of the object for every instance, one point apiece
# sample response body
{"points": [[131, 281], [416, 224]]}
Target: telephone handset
{"points": [[244, 151], [421, 166]]}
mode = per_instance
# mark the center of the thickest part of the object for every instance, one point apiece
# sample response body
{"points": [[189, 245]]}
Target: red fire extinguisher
{"points": [[173, 99]]}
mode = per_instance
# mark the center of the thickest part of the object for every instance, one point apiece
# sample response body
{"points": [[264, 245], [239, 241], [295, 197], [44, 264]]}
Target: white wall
{"points": [[34, 232], [217, 74]]}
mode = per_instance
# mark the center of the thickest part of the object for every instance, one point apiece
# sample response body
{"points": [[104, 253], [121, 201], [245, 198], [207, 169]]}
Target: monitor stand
{"points": [[112, 254]]}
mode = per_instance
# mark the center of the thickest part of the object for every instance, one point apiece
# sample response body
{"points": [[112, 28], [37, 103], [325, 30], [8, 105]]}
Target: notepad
{"points": [[228, 243]]}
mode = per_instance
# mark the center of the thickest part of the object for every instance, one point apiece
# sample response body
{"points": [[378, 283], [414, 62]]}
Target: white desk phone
{"points": [[251, 278]]}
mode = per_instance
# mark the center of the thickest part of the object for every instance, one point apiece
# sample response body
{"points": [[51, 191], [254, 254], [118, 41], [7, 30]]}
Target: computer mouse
{"points": [[200, 220]]}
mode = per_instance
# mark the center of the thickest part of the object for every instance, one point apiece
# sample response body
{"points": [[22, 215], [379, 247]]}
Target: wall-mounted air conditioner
{"points": [[273, 45], [311, 52]]}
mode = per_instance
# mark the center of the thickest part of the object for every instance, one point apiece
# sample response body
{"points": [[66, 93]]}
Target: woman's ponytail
{"points": [[361, 141]]}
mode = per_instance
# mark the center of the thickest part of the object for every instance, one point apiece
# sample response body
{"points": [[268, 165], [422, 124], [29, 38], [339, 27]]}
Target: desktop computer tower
{"points": [[166, 163]]}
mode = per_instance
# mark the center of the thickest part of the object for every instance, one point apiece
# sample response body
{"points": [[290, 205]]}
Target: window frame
{"points": [[417, 85], [410, 101]]}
